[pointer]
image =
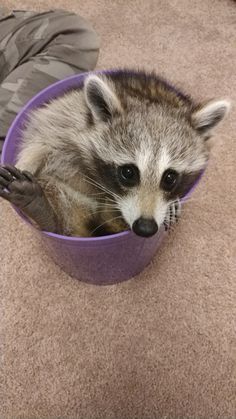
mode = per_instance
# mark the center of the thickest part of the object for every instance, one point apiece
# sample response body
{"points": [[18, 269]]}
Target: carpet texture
{"points": [[162, 345]]}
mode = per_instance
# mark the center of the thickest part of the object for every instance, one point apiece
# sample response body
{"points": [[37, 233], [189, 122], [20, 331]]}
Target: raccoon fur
{"points": [[119, 152]]}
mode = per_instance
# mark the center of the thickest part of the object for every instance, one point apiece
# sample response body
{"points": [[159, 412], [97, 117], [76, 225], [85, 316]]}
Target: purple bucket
{"points": [[101, 260]]}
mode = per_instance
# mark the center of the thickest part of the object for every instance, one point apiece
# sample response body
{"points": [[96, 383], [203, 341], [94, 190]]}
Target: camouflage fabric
{"points": [[37, 49]]}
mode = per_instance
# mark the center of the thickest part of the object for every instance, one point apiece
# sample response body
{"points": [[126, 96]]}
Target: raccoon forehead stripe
{"points": [[143, 158], [163, 162]]}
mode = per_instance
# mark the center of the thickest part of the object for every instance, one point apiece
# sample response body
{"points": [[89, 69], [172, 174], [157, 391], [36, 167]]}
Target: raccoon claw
{"points": [[18, 187], [173, 214]]}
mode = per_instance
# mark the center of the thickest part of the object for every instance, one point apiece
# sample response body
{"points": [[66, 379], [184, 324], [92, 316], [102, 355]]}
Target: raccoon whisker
{"points": [[95, 194], [107, 221], [111, 200], [98, 185], [107, 204], [104, 201], [103, 198], [94, 183], [107, 191], [109, 209], [175, 201], [102, 211]]}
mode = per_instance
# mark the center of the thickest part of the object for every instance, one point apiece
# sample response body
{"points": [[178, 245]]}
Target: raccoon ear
{"points": [[101, 100], [209, 115]]}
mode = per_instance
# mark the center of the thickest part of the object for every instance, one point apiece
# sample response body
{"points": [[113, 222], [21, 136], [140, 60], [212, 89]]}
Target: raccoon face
{"points": [[147, 154]]}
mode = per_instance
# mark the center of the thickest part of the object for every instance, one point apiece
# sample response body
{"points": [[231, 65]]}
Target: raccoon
{"points": [[117, 153]]}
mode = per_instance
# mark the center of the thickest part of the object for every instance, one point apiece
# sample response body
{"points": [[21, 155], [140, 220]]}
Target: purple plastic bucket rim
{"points": [[79, 78]]}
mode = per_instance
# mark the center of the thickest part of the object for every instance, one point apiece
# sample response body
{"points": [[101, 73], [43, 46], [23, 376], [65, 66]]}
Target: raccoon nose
{"points": [[145, 227]]}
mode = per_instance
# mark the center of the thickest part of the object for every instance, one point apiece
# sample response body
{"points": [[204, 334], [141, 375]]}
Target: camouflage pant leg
{"points": [[37, 49]]}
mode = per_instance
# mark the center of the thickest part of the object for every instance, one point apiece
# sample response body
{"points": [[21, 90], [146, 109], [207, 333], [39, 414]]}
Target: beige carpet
{"points": [[162, 345]]}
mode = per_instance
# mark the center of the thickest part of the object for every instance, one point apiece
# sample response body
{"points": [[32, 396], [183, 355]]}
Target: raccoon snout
{"points": [[145, 227]]}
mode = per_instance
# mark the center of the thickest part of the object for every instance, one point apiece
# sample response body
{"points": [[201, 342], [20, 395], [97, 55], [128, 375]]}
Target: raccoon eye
{"points": [[128, 175], [169, 180]]}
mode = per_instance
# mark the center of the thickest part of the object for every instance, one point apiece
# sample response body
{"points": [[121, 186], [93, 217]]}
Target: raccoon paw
{"points": [[172, 215], [19, 187]]}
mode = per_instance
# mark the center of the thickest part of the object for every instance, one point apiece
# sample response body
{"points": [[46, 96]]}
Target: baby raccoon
{"points": [[118, 152]]}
